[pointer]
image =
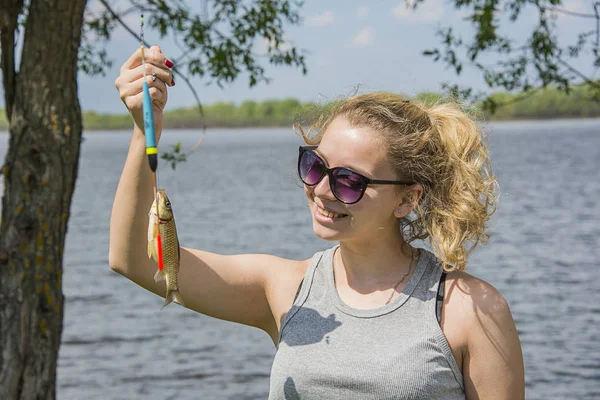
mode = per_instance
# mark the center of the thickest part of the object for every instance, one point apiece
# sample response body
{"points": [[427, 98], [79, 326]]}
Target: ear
{"points": [[409, 201]]}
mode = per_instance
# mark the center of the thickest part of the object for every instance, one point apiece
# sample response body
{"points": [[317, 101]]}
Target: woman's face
{"points": [[360, 149]]}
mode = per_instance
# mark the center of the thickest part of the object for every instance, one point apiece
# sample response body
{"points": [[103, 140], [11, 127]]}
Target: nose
{"points": [[323, 189]]}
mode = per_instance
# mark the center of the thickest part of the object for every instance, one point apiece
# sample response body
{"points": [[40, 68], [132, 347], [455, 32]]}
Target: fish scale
{"points": [[162, 221], [171, 253]]}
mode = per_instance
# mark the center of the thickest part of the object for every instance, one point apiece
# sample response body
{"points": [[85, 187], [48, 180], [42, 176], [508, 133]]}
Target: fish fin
{"points": [[152, 250], [152, 234], [173, 296], [160, 275], [152, 226]]}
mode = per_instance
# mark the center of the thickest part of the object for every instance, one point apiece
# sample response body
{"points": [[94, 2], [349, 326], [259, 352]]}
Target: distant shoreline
{"points": [[97, 129], [4, 129], [547, 104]]}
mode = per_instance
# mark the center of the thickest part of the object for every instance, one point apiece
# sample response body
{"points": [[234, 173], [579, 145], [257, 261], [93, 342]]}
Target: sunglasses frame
{"points": [[329, 172]]}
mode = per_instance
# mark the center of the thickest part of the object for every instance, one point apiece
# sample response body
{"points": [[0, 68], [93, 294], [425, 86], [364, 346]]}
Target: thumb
{"points": [[155, 50]]}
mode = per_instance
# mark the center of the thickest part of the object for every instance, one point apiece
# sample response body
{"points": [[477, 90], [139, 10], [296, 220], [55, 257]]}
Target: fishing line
{"points": [[174, 70], [149, 133]]}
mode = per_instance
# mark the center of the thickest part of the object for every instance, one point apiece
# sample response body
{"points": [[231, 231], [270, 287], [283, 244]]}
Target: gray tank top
{"points": [[329, 350]]}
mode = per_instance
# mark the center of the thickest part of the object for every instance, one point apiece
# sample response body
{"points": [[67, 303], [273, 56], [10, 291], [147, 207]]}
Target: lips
{"points": [[329, 213]]}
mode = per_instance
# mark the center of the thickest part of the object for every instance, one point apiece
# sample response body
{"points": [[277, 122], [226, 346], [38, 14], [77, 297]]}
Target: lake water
{"points": [[239, 193]]}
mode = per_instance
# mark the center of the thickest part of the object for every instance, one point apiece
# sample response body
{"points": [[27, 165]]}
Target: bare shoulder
{"points": [[474, 307], [473, 296], [492, 360]]}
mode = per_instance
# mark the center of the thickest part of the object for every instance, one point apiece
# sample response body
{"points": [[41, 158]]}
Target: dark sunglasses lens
{"points": [[310, 168], [347, 185]]}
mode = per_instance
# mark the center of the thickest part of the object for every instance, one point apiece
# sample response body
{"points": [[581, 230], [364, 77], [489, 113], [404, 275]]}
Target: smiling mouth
{"points": [[329, 214]]}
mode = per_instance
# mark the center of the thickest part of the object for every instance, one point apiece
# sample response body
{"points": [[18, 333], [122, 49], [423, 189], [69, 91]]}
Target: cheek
{"points": [[359, 210], [308, 191], [373, 206]]}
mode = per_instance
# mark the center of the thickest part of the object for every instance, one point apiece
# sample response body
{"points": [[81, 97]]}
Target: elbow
{"points": [[116, 264]]}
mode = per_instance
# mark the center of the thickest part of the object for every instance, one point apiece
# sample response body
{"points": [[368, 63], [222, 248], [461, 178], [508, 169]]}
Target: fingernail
{"points": [[172, 82], [169, 63]]}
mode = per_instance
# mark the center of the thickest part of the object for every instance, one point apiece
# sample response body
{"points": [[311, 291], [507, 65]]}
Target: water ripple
{"points": [[543, 257]]}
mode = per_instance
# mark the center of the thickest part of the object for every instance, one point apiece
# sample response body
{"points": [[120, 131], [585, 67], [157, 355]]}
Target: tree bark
{"points": [[39, 172], [9, 13]]}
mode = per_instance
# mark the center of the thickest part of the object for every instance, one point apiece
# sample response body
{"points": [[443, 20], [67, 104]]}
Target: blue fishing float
{"points": [[151, 149]]}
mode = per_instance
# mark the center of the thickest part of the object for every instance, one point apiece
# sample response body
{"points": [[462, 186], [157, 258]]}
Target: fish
{"points": [[162, 220]]}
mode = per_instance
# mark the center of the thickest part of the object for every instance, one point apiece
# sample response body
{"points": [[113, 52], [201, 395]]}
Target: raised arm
{"points": [[251, 289]]}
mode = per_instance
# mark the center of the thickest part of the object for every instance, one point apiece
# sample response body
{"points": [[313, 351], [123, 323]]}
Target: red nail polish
{"points": [[172, 82], [169, 63]]}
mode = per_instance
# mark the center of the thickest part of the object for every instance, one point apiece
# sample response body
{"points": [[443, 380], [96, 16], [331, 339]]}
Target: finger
{"points": [[156, 95], [158, 99], [134, 102], [154, 87], [134, 88], [162, 73], [152, 55], [133, 61], [159, 58]]}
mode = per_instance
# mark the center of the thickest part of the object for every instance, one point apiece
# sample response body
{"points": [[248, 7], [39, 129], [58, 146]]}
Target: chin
{"points": [[326, 233]]}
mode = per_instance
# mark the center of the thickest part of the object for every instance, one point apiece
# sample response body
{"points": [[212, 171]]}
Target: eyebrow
{"points": [[359, 170]]}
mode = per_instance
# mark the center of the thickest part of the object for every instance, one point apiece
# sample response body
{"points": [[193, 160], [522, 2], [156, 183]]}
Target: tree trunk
{"points": [[39, 172]]}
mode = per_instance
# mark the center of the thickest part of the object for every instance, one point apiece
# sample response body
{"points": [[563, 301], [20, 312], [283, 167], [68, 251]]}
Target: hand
{"points": [[130, 81]]}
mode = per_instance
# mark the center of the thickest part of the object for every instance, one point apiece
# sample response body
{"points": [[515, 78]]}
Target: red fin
{"points": [[160, 255]]}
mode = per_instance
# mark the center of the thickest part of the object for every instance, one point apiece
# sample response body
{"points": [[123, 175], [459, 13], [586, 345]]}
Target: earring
{"points": [[400, 212]]}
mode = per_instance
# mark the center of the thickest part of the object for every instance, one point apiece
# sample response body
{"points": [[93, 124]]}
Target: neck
{"points": [[373, 265]]}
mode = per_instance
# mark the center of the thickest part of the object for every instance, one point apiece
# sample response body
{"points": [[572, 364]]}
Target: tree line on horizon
{"points": [[545, 104]]}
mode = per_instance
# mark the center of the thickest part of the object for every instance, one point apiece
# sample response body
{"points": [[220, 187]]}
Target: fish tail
{"points": [[173, 296]]}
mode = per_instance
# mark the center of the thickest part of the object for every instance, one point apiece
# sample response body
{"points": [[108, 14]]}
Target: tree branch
{"points": [[594, 84], [124, 25], [568, 12], [175, 69], [518, 99], [596, 7]]}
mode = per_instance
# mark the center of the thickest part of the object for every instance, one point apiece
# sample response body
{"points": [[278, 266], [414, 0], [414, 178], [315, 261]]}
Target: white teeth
{"points": [[329, 214]]}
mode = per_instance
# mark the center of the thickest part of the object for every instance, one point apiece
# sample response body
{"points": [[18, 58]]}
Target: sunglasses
{"points": [[347, 186]]}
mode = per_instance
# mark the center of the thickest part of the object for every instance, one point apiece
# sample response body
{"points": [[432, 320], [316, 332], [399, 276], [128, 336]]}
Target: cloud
{"points": [[325, 19], [428, 11], [263, 45], [363, 38], [362, 11]]}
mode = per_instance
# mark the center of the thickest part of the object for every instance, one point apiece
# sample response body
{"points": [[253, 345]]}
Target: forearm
{"points": [[129, 218]]}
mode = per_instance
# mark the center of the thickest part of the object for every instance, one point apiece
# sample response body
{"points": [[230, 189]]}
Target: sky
{"points": [[376, 45]]}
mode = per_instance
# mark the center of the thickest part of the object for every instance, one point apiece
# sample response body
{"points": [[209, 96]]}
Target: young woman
{"points": [[371, 317]]}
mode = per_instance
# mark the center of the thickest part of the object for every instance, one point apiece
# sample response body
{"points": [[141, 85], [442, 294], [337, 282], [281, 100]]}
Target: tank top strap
{"points": [[432, 286], [439, 301], [435, 284]]}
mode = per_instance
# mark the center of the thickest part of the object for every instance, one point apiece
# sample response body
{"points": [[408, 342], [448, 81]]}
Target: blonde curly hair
{"points": [[442, 147]]}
